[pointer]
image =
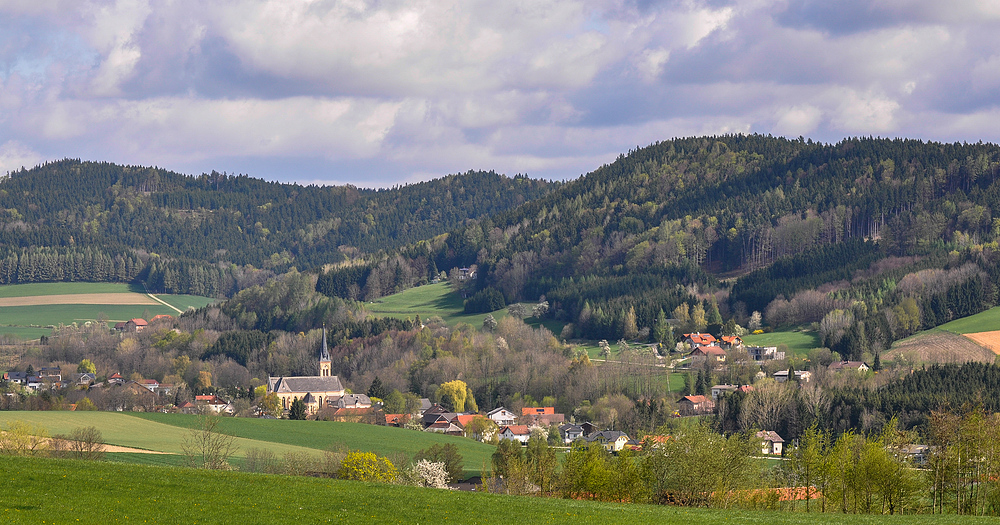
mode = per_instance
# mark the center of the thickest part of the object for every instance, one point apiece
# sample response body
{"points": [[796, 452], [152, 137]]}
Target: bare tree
{"points": [[206, 447]]}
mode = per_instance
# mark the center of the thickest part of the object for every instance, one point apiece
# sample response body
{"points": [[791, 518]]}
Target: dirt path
{"points": [[116, 448]]}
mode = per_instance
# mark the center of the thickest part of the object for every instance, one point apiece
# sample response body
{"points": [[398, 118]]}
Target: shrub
{"points": [[367, 466]]}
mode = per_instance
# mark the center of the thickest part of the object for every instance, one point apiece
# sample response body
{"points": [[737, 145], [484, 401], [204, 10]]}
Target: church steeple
{"points": [[324, 358]]}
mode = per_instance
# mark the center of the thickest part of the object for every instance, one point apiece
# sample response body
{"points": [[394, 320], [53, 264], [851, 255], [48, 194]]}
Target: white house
{"points": [[516, 433], [770, 442], [502, 417]]}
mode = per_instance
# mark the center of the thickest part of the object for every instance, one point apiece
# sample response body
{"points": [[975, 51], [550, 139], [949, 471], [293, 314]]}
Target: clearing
{"points": [[799, 341]]}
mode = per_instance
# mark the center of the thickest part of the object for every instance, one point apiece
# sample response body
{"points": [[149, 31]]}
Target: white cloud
{"points": [[14, 156], [865, 113], [797, 121]]}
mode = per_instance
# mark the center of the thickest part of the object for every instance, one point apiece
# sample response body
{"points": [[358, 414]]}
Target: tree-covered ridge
{"points": [[236, 219], [683, 210]]}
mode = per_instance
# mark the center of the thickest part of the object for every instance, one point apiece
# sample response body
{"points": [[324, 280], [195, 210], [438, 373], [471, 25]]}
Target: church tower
{"points": [[324, 357]]}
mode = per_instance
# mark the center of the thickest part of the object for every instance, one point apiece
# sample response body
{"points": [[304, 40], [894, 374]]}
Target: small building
{"points": [[858, 366], [502, 417], [699, 339], [116, 379], [730, 342], [515, 432], [570, 432], [135, 325], [695, 405], [612, 440], [764, 353], [802, 376], [770, 442], [354, 401], [711, 353], [149, 384], [720, 390]]}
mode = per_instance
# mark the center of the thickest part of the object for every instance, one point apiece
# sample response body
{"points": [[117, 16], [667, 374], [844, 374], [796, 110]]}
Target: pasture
{"points": [[987, 321], [427, 301], [31, 310], [68, 491], [166, 433]]}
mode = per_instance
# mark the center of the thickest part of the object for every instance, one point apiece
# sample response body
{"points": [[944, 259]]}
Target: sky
{"points": [[383, 92]]}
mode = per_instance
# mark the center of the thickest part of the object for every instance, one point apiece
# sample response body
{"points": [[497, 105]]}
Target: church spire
{"points": [[324, 357]]}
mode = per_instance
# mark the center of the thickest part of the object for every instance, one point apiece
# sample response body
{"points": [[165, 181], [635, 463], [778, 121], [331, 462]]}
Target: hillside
{"points": [[655, 229], [72, 220]]}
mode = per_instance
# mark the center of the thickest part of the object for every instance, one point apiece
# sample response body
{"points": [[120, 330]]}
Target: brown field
{"points": [[940, 347], [83, 298], [989, 340]]}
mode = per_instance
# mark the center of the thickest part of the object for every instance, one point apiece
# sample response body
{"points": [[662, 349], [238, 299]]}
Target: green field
{"points": [[987, 321], [427, 301], [166, 433], [799, 342], [67, 491], [31, 322]]}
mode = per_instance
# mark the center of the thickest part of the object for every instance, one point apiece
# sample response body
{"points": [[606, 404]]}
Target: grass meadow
{"points": [[166, 433], [427, 301], [33, 321], [68, 491], [799, 342], [987, 321]]}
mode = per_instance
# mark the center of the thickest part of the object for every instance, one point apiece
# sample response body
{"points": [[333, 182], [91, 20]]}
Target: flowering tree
{"points": [[431, 474], [367, 466]]}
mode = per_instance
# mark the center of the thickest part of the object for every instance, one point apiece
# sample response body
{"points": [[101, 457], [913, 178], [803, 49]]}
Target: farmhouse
{"points": [[612, 440], [501, 416], [770, 442], [316, 391], [695, 405], [859, 366]]}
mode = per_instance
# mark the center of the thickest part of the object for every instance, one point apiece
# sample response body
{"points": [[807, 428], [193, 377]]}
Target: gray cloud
{"points": [[378, 92]]}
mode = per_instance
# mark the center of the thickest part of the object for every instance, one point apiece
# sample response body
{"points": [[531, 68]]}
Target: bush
{"points": [[367, 466]]}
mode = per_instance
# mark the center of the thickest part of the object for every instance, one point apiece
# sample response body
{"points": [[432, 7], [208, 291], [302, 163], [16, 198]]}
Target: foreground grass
{"points": [[63, 491]]}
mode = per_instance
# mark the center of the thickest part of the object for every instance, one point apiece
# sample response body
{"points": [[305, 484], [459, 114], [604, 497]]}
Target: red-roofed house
{"points": [[149, 384], [135, 325], [709, 352], [731, 341], [695, 405], [697, 339], [116, 379], [531, 411]]}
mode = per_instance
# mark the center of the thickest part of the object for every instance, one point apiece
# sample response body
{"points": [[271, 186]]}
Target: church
{"points": [[315, 391]]}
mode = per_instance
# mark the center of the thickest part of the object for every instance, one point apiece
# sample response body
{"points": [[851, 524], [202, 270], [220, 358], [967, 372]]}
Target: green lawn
{"points": [[987, 321], [799, 342], [166, 433], [67, 491]]}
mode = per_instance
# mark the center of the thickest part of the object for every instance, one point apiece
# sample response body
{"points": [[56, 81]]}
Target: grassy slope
{"points": [[987, 321], [166, 433], [321, 435], [60, 491], [428, 300], [32, 289]]}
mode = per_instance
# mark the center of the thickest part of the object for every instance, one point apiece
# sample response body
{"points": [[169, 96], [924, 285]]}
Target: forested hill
{"points": [[68, 210], [685, 210]]}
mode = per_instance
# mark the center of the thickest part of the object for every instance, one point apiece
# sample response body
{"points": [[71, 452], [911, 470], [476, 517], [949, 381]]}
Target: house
{"points": [[502, 417], [859, 366], [712, 353], [589, 428], [315, 391], [347, 415], [162, 317], [135, 325], [354, 401], [397, 420], [466, 274], [116, 379], [770, 442], [84, 379], [719, 390], [570, 432], [802, 376], [731, 341], [515, 432], [213, 404], [698, 339], [19, 378], [917, 454], [189, 408], [542, 420], [149, 384], [695, 405], [612, 440], [532, 411], [764, 353]]}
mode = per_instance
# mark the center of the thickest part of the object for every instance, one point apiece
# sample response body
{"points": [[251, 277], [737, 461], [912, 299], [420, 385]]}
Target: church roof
{"points": [[324, 353], [306, 384]]}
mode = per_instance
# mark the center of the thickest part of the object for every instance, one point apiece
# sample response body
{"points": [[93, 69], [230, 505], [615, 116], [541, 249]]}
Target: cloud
{"points": [[377, 91], [14, 156]]}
